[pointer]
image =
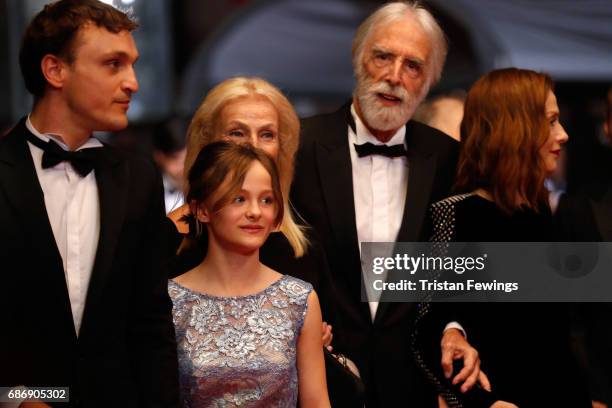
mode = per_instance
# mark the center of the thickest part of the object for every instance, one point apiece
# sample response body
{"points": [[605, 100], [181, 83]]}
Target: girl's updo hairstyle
{"points": [[218, 173]]}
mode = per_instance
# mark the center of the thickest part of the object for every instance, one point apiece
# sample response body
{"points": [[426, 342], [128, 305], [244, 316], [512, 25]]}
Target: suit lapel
{"points": [[336, 177], [24, 193], [112, 180], [421, 173]]}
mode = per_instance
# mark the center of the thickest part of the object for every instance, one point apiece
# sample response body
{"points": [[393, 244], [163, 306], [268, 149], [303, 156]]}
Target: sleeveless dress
{"points": [[239, 351]]}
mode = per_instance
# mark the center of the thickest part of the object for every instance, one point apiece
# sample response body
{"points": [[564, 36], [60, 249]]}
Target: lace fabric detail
{"points": [[239, 351]]}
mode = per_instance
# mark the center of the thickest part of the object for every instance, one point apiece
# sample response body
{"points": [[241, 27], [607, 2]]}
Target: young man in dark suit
{"points": [[84, 291], [368, 173]]}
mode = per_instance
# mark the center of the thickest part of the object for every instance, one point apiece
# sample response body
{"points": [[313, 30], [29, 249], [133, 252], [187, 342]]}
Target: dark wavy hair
{"points": [[503, 128], [54, 29]]}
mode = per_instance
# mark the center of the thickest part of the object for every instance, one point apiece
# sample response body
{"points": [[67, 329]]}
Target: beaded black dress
{"points": [[524, 347]]}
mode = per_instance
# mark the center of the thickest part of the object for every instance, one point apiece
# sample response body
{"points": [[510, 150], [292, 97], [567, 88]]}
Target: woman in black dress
{"points": [[511, 141]]}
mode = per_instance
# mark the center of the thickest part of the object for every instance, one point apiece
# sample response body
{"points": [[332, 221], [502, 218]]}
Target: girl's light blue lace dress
{"points": [[239, 351]]}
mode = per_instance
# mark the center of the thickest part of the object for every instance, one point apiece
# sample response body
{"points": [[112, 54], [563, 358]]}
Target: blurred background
{"points": [[303, 47]]}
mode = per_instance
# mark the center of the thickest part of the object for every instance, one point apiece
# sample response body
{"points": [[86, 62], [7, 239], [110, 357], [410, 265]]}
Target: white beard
{"points": [[381, 117]]}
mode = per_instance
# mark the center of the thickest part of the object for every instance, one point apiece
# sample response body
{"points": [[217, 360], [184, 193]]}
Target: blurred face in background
{"points": [[172, 165], [444, 114], [253, 120], [550, 152], [394, 77]]}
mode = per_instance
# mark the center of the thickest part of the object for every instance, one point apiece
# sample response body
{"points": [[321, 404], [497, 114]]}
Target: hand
{"points": [[175, 216], [327, 336], [597, 404], [503, 404], [441, 402], [455, 347]]}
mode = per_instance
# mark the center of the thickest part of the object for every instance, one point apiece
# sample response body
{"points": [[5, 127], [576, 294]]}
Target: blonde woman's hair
{"points": [[202, 131]]}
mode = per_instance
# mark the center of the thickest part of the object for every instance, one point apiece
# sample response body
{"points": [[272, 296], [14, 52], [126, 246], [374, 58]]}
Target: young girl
{"points": [[247, 336]]}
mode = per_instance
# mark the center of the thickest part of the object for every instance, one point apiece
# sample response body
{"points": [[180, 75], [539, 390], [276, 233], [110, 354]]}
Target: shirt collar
{"points": [[363, 135], [91, 142]]}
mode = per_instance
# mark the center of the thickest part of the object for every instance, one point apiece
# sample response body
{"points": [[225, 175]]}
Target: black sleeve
{"points": [[430, 320], [152, 342], [326, 289]]}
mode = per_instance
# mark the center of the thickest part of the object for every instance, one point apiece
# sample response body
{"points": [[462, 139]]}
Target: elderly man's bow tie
{"points": [[82, 160], [368, 149]]}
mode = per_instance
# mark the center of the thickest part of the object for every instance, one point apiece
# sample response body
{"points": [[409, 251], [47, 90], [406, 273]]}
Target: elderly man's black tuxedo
{"points": [[322, 193], [125, 353]]}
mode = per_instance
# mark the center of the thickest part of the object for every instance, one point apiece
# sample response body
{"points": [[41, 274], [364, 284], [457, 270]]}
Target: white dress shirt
{"points": [[379, 189], [73, 209], [173, 197]]}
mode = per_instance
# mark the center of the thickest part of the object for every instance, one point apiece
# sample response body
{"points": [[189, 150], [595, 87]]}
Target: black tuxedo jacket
{"points": [[322, 193], [125, 354]]}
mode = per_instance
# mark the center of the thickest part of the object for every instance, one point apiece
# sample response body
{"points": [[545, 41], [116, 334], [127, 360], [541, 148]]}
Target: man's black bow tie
{"points": [[368, 149], [83, 160]]}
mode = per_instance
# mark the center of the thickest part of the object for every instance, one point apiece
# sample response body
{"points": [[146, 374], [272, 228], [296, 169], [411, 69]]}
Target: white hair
{"points": [[396, 11]]}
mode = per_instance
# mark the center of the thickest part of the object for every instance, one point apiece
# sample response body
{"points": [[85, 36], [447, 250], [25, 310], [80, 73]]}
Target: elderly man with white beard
{"points": [[367, 173]]}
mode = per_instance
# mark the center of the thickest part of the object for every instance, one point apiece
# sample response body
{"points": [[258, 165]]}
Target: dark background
{"points": [[303, 47]]}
